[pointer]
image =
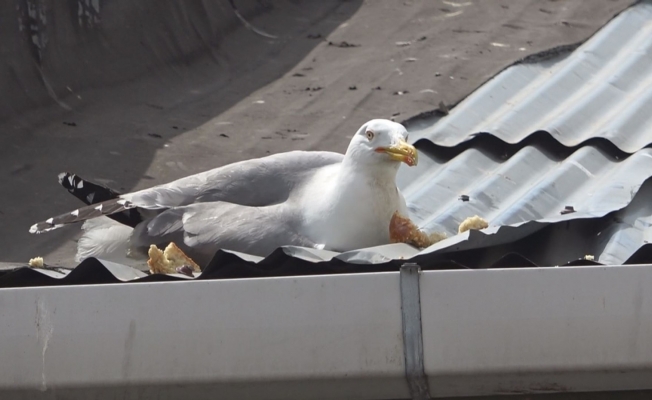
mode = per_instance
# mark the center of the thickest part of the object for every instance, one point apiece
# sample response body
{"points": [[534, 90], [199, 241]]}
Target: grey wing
{"points": [[203, 228], [258, 182]]}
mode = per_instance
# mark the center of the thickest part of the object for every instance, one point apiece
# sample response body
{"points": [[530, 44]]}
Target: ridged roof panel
{"points": [[601, 90]]}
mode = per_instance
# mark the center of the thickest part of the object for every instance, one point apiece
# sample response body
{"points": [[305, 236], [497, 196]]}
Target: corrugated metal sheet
{"points": [[528, 191], [619, 237], [601, 90], [540, 137], [560, 133], [533, 184]]}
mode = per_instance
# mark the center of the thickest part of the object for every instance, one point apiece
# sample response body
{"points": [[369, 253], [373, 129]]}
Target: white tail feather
{"points": [[105, 239]]}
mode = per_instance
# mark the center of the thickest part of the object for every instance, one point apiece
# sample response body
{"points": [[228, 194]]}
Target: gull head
{"points": [[382, 142]]}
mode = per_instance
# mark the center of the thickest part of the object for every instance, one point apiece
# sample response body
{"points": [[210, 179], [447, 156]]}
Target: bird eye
{"points": [[370, 135]]}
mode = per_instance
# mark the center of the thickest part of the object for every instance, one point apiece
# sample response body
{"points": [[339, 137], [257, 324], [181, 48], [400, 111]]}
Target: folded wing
{"points": [[201, 228], [258, 182]]}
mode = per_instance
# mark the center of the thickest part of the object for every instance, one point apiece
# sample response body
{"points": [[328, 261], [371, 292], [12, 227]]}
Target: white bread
{"points": [[474, 222], [403, 230], [166, 262]]}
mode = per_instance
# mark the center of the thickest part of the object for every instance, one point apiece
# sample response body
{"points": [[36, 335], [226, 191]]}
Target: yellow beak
{"points": [[403, 152]]}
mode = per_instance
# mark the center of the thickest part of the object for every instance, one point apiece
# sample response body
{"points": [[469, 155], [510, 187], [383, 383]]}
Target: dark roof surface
{"points": [[131, 94], [565, 133]]}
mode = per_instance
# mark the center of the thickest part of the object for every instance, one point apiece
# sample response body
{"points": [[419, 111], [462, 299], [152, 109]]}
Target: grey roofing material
{"points": [[532, 184], [527, 191], [521, 174], [618, 238], [603, 89]]}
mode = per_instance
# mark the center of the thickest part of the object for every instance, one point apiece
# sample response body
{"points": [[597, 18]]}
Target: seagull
{"points": [[315, 199]]}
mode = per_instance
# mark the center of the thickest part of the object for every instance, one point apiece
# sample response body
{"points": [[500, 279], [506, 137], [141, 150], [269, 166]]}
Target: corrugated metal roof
{"points": [[540, 137], [535, 183], [567, 132], [619, 237], [528, 191], [603, 89]]}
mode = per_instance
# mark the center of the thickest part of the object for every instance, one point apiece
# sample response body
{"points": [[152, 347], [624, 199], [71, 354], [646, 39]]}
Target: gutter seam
{"points": [[412, 334]]}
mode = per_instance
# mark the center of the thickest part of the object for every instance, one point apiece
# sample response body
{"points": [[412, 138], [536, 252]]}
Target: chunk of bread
{"points": [[475, 222], [36, 262], [167, 262], [403, 230]]}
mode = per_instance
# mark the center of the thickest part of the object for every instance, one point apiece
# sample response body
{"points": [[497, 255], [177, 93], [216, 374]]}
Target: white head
{"points": [[381, 142]]}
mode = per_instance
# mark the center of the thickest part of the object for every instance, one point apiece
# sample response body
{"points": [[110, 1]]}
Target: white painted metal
{"points": [[320, 337], [537, 330], [328, 337]]}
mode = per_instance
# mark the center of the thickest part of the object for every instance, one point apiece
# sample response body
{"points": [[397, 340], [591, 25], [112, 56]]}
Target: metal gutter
{"points": [[325, 337], [544, 330], [291, 338]]}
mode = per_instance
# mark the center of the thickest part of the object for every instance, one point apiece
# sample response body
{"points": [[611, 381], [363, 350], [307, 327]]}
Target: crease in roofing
{"points": [[601, 90]]}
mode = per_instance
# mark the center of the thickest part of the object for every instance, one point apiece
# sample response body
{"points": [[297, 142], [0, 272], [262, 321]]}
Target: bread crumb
{"points": [[474, 222], [403, 230], [36, 262], [167, 262]]}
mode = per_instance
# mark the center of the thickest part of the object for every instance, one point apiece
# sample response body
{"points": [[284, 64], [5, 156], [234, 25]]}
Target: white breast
{"points": [[351, 212]]}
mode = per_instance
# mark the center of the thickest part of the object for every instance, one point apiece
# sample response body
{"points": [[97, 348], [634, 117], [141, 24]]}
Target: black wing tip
{"points": [[64, 175]]}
